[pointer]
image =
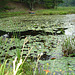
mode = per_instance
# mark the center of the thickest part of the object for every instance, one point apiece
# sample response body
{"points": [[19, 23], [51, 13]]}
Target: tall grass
{"points": [[68, 46], [20, 64], [2, 68]]}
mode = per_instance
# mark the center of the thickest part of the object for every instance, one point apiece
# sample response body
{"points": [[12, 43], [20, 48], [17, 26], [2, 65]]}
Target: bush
{"points": [[3, 4]]}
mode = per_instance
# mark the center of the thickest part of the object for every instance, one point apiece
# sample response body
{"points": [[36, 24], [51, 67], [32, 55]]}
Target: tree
{"points": [[51, 3], [68, 3], [31, 3], [73, 2], [57, 2], [2, 3]]}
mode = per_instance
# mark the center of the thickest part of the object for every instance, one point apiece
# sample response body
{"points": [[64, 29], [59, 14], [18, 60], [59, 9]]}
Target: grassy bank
{"points": [[58, 11], [9, 14]]}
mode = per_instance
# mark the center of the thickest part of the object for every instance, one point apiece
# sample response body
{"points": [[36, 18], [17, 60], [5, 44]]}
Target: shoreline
{"points": [[58, 11]]}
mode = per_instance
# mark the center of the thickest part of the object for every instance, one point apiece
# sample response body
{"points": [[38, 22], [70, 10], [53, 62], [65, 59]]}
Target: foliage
{"points": [[31, 3], [20, 65], [37, 28], [68, 46], [51, 3], [58, 11], [2, 4], [68, 3], [44, 3], [2, 68]]}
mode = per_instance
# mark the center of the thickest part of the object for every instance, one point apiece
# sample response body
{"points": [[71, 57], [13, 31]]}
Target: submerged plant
{"points": [[68, 46]]}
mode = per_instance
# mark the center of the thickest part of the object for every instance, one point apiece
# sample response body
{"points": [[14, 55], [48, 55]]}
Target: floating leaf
{"points": [[58, 31], [53, 58]]}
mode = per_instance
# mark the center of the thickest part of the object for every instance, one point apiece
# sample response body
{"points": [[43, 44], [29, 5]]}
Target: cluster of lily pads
{"points": [[43, 33], [37, 27], [9, 46], [24, 23]]}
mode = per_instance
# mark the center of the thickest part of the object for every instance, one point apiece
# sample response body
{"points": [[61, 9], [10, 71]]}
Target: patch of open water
{"points": [[70, 25]]}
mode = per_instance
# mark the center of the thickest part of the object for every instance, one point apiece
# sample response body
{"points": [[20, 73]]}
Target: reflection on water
{"points": [[70, 25], [70, 31]]}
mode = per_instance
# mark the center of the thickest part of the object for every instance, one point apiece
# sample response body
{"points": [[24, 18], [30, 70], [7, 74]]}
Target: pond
{"points": [[45, 33]]}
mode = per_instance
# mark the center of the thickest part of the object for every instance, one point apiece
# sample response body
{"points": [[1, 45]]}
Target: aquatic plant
{"points": [[21, 65], [43, 33], [68, 46]]}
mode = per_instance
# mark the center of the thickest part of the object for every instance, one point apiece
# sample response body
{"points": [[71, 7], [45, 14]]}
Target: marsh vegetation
{"points": [[45, 34]]}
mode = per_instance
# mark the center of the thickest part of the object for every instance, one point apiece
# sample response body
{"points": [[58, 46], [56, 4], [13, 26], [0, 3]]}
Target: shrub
{"points": [[3, 4]]}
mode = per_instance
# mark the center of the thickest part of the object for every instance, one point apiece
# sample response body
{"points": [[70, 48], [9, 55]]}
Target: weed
{"points": [[68, 46]]}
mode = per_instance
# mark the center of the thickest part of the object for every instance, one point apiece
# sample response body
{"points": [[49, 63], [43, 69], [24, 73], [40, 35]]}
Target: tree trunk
{"points": [[31, 6]]}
